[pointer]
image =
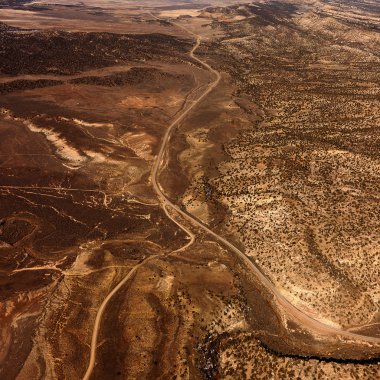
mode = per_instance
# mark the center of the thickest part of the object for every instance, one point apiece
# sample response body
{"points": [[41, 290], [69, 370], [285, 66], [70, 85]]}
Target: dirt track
{"points": [[289, 309]]}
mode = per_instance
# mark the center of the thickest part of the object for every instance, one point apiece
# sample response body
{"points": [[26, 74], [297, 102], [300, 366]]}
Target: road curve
{"points": [[289, 308]]}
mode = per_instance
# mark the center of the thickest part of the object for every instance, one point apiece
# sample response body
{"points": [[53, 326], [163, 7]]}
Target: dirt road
{"points": [[291, 311]]}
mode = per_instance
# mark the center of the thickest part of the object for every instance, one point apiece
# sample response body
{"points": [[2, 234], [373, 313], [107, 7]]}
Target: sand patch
{"points": [[96, 157], [149, 101], [140, 143], [180, 12], [90, 125], [63, 149]]}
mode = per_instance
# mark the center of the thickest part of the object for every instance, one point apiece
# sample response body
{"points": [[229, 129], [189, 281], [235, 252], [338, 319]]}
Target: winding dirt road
{"points": [[292, 311]]}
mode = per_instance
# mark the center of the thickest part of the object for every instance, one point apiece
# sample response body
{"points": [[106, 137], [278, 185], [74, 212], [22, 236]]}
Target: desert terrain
{"points": [[189, 190]]}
